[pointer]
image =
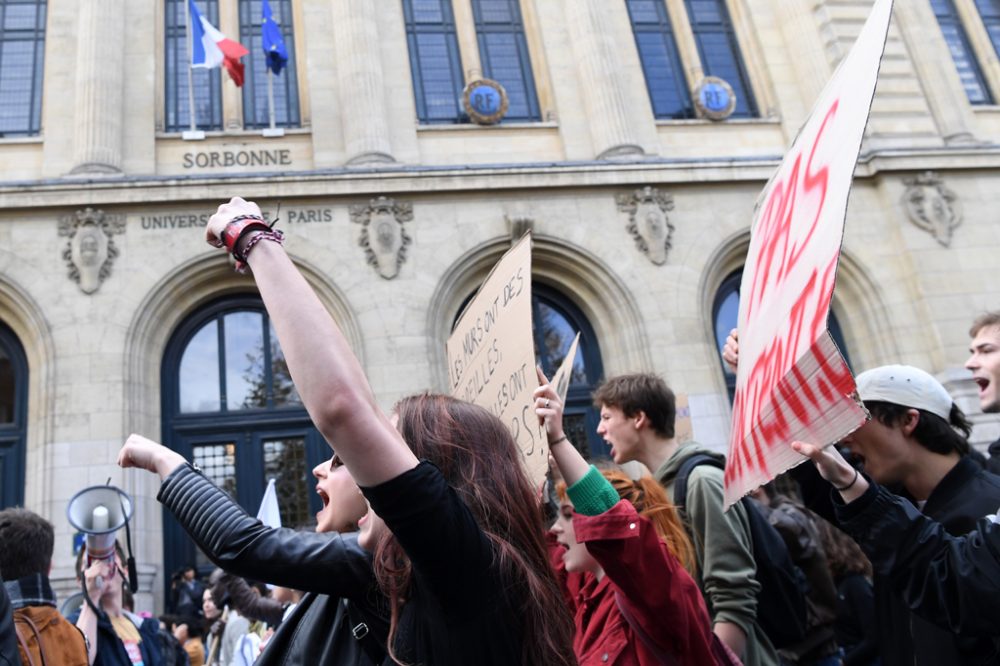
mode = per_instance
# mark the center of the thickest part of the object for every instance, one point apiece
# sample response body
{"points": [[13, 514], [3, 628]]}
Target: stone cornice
{"points": [[399, 179]]}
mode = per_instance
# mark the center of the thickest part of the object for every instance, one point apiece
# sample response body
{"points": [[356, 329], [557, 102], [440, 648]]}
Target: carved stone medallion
{"points": [[382, 234], [90, 250], [648, 222], [932, 206]]}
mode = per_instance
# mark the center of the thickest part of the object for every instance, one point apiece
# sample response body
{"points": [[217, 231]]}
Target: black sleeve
{"points": [[951, 581], [9, 655], [860, 598], [326, 563], [438, 532]]}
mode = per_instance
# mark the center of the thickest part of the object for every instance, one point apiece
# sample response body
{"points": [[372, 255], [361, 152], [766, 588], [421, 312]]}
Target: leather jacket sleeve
{"points": [[951, 581], [327, 563]]}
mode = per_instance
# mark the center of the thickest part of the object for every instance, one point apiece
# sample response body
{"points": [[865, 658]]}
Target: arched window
{"points": [[13, 418], [725, 313], [557, 321], [22, 59], [229, 406]]}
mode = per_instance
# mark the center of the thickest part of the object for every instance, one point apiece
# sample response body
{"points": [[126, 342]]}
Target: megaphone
{"points": [[99, 512]]}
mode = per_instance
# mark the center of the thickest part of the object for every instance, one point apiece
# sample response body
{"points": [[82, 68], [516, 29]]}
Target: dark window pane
{"points": [[7, 385], [720, 51], [285, 462], [554, 335], [22, 49], [285, 85], [246, 381], [961, 51], [434, 60], [503, 52], [199, 371], [207, 84], [661, 63]]}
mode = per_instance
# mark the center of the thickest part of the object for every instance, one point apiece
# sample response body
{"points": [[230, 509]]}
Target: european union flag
{"points": [[274, 46]]}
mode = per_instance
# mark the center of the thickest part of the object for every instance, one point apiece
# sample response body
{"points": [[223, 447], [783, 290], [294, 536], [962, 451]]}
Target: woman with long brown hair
{"points": [[627, 562], [453, 521]]}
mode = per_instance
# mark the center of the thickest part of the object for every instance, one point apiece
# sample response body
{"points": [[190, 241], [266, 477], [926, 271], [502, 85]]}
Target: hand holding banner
{"points": [[792, 382]]}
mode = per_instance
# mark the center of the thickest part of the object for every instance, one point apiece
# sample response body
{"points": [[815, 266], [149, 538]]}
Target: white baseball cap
{"points": [[906, 386]]}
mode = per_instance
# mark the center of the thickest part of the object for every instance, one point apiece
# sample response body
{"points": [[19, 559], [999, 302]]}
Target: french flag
{"points": [[210, 48]]}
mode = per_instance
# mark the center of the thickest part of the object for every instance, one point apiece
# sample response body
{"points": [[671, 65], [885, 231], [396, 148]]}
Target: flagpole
{"points": [[270, 96], [190, 37]]}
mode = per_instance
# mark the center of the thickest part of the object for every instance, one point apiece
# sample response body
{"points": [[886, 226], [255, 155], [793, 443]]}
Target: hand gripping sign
{"points": [[792, 382], [491, 354]]}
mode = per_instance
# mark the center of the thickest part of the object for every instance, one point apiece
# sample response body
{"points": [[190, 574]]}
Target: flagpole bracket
{"points": [[272, 132], [193, 135]]}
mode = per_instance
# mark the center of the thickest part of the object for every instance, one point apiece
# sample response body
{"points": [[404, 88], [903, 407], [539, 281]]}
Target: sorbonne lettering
{"points": [[242, 158]]}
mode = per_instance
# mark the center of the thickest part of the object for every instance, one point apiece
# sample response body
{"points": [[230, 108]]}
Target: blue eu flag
{"points": [[274, 46]]}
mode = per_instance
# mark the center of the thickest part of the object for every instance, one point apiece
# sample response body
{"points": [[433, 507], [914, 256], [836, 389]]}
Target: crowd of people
{"points": [[433, 546]]}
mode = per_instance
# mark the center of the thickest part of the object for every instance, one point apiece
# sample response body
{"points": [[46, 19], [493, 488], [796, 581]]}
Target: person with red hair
{"points": [[625, 561]]}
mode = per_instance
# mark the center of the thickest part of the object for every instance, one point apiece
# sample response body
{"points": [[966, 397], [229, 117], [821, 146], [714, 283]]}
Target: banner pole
{"points": [[270, 96]]}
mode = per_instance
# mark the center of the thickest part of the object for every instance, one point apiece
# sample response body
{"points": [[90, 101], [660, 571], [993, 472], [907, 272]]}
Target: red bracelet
{"points": [[240, 225]]}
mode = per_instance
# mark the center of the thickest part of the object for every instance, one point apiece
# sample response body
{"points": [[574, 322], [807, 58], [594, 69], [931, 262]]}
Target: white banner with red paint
{"points": [[792, 382]]}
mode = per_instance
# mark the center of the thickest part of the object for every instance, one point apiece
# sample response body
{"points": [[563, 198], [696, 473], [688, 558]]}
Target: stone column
{"points": [[360, 82], [600, 74], [100, 69], [929, 54]]}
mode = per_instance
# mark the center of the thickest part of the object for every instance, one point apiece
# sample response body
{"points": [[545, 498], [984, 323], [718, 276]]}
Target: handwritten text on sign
{"points": [[792, 383], [491, 353]]}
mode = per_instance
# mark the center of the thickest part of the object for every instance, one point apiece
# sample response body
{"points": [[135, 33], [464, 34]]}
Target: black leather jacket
{"points": [[951, 581], [329, 566], [8, 639]]}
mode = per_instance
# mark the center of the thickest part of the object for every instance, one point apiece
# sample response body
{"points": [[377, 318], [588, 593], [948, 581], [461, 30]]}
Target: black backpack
{"points": [[781, 601]]}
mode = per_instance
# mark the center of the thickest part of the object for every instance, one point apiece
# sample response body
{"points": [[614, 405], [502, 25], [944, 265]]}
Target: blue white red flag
{"points": [[275, 53], [210, 48]]}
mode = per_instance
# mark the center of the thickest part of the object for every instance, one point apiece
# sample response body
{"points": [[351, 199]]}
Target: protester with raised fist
{"points": [[634, 601], [453, 519]]}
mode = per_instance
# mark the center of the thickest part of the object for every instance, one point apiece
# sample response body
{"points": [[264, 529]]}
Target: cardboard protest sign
{"points": [[491, 354], [564, 374], [792, 382]]}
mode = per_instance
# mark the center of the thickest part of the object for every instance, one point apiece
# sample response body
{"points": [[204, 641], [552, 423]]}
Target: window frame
{"points": [[248, 428], [467, 62], [961, 20], [231, 104], [38, 36], [692, 61]]}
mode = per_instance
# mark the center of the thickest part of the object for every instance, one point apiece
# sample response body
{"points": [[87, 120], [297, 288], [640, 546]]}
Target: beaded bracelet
{"points": [[275, 236]]}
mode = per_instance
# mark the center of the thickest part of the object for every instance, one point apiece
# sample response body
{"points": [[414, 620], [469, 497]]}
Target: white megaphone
{"points": [[99, 512]]}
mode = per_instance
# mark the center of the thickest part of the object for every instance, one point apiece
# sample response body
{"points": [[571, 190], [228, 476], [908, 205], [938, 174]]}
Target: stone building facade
{"points": [[115, 315]]}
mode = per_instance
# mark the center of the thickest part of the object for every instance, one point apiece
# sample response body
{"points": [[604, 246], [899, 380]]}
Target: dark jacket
{"points": [[993, 462], [110, 649], [329, 565], [8, 638], [965, 495], [857, 632], [951, 581]]}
